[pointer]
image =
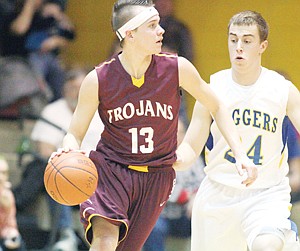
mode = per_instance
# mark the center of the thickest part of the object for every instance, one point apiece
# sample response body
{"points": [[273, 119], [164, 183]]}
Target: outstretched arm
{"points": [[192, 82]]}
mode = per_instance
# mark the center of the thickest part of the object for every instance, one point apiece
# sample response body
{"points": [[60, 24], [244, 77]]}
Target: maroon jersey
{"points": [[140, 115]]}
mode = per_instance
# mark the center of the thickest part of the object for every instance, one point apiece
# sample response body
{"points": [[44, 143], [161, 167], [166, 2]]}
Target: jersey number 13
{"points": [[147, 144]]}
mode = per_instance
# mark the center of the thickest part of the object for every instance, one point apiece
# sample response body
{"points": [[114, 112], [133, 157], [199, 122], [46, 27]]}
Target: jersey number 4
{"points": [[147, 146], [254, 153]]}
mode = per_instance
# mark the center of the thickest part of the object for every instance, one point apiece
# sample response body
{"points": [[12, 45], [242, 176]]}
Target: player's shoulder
{"points": [[219, 77], [164, 63], [165, 57], [106, 63], [221, 73], [274, 78], [268, 73]]}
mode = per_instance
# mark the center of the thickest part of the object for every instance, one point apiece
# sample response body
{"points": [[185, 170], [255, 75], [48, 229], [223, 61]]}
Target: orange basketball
{"points": [[70, 178]]}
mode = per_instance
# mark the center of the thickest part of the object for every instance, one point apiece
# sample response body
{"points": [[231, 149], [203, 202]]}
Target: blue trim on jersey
{"points": [[285, 128], [210, 142], [292, 141], [294, 228]]}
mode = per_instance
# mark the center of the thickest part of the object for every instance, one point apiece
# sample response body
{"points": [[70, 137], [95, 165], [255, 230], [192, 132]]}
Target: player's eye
{"points": [[153, 25]]}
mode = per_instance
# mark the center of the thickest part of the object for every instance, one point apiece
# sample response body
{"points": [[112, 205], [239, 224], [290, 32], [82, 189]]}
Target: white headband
{"points": [[136, 21]]}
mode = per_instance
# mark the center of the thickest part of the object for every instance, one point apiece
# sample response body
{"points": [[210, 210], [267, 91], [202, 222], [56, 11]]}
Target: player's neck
{"points": [[135, 65], [246, 76]]}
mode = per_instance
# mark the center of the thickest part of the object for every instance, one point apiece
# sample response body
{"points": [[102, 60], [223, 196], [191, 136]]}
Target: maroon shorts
{"points": [[128, 198]]}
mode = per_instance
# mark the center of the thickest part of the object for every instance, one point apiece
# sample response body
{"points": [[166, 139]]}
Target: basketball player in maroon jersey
{"points": [[137, 94]]}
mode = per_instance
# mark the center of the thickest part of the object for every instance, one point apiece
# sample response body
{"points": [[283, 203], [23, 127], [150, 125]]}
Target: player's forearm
{"points": [[71, 142], [229, 131], [186, 156], [195, 138]]}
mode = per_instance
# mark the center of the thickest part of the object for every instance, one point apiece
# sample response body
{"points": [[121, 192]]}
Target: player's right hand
{"points": [[245, 165], [60, 151]]}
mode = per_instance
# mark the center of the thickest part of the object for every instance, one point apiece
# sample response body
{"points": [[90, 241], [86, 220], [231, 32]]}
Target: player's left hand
{"points": [[245, 165], [185, 157]]}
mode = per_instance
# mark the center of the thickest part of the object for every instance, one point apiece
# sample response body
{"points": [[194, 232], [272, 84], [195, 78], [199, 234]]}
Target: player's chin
{"points": [[157, 48]]}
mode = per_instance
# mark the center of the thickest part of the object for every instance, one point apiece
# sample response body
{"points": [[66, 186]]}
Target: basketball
{"points": [[70, 178]]}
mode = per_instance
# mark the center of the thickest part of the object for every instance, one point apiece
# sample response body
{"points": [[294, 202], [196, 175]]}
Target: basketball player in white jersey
{"points": [[227, 215]]}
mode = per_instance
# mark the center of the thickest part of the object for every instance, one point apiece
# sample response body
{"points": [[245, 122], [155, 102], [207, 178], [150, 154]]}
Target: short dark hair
{"points": [[249, 17], [122, 14]]}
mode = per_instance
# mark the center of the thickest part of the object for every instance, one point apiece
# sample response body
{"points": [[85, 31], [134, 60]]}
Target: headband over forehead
{"points": [[136, 21]]}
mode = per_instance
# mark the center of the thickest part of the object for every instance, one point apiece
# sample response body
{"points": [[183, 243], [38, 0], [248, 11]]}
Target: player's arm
{"points": [[191, 81], [195, 138], [293, 111], [87, 105]]}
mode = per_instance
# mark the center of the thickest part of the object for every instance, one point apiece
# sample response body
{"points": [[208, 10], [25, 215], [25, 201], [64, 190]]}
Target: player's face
{"points": [[244, 45], [149, 36]]}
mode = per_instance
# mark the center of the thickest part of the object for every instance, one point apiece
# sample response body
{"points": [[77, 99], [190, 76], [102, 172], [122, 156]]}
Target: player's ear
{"points": [[263, 46], [129, 34]]}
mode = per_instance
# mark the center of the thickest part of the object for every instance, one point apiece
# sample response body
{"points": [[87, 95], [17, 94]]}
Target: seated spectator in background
{"points": [[6, 7], [15, 87], [50, 32], [47, 135], [17, 19], [38, 30], [10, 238], [175, 220]]}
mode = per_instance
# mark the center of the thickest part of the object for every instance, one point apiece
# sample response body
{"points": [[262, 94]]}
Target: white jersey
{"points": [[258, 111]]}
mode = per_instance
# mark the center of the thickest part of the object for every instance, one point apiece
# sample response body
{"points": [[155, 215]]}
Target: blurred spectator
{"points": [[10, 238], [17, 81], [17, 17], [47, 136], [175, 220], [50, 32], [19, 88], [38, 30], [5, 8]]}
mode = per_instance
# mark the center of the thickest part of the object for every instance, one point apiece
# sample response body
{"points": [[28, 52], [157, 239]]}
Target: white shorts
{"points": [[228, 219]]}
